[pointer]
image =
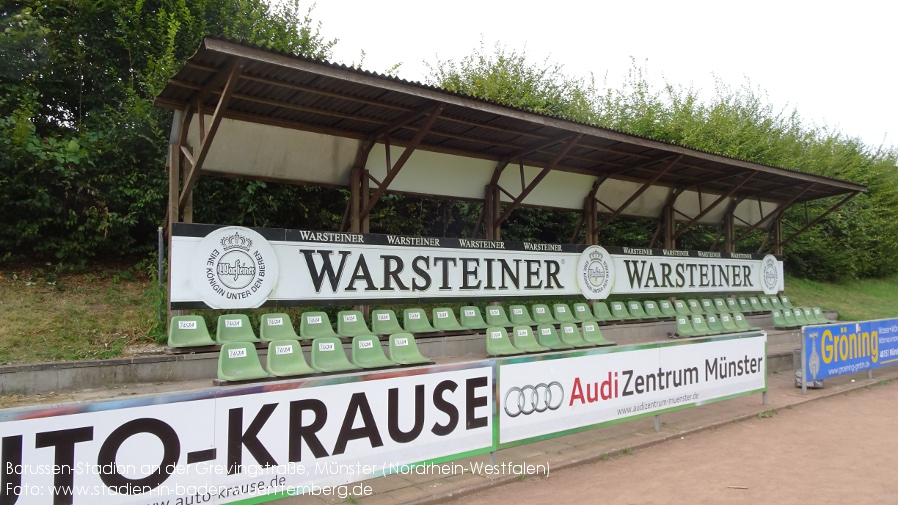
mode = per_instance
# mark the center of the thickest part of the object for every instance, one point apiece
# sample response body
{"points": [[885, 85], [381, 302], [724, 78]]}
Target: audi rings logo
{"points": [[529, 399]]}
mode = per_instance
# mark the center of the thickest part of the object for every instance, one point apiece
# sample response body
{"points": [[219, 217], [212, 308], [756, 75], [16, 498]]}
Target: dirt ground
{"points": [[843, 449]]}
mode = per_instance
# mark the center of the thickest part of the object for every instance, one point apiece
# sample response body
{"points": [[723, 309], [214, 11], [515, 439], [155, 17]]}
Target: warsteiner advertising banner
{"points": [[235, 267], [845, 348]]}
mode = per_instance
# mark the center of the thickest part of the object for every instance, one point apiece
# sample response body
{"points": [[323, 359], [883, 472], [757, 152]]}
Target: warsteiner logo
{"points": [[234, 268], [595, 274], [770, 275]]}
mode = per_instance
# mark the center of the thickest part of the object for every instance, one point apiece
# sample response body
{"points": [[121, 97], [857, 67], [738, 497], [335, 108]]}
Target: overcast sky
{"points": [[835, 62]]}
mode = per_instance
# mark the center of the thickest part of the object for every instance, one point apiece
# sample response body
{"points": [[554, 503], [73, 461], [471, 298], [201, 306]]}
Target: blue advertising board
{"points": [[845, 348]]}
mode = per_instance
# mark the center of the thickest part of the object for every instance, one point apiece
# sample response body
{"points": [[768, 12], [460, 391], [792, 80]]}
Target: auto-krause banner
{"points": [[845, 348], [545, 397], [234, 267], [247, 444]]}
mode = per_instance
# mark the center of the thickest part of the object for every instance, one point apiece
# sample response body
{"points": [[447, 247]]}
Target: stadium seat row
{"points": [[239, 361], [798, 316], [546, 338], [702, 325]]}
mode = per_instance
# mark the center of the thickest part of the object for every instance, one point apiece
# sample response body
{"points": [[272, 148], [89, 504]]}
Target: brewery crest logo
{"points": [[770, 274], [234, 268], [595, 273]]}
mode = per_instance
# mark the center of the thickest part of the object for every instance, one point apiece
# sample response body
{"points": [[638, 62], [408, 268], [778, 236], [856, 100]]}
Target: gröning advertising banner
{"points": [[235, 267], [850, 347]]}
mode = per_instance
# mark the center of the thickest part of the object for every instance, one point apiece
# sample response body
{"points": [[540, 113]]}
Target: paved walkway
{"points": [[592, 445]]}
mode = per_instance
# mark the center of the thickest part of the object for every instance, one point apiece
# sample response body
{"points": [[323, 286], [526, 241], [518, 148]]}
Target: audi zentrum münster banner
{"points": [[234, 267], [545, 396]]}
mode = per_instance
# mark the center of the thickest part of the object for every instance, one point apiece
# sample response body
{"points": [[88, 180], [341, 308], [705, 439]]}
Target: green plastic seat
{"points": [[285, 359], [744, 305], [602, 313], [798, 314], [495, 316], [728, 323], [403, 350], [384, 322], [542, 314], [234, 328], [667, 308], [786, 302], [471, 318], [809, 315], [821, 318], [351, 323], [523, 339], [707, 306], [652, 309], [714, 324], [695, 308], [778, 320], [276, 326], [635, 309], [570, 335], [548, 337], [619, 311], [775, 302], [593, 335], [238, 361], [188, 331], [444, 320], [519, 315], [315, 324], [682, 308], [765, 304], [498, 344], [742, 323], [367, 352], [755, 303], [415, 321], [684, 327], [720, 305], [563, 314], [732, 304], [328, 355], [789, 316], [582, 312], [701, 327]]}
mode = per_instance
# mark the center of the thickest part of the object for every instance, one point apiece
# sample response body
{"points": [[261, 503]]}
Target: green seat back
{"points": [[495, 316], [600, 310], [563, 314], [384, 322], [728, 323], [707, 306], [315, 324], [570, 335], [652, 309], [732, 304], [351, 323], [682, 308], [714, 324], [415, 321], [444, 320], [667, 308], [542, 314], [720, 305], [403, 350], [684, 327], [775, 302], [742, 323], [635, 309], [498, 344], [548, 337], [471, 318], [809, 315], [789, 316], [798, 314], [786, 302], [778, 320], [593, 335], [582, 312], [523, 339], [765, 303], [821, 318], [519, 315], [234, 328], [694, 306], [744, 305], [328, 355], [276, 326], [285, 359], [701, 327], [619, 311], [238, 361], [188, 331], [367, 352], [755, 303]]}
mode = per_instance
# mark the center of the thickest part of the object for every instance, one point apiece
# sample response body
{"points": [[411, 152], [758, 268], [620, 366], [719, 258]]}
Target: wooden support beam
{"points": [[638, 192], [819, 218], [711, 207], [780, 209], [230, 85]]}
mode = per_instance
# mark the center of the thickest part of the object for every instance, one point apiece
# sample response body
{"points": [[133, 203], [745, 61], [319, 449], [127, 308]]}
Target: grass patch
{"points": [[767, 414], [859, 300]]}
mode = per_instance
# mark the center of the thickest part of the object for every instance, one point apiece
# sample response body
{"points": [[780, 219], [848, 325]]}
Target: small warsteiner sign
{"points": [[234, 267]]}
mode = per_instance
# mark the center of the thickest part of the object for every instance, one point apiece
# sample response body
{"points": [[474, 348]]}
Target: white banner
{"points": [[549, 396], [249, 443], [237, 267]]}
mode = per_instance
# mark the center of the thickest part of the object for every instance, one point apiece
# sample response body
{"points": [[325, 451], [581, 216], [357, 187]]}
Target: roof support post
{"points": [[493, 229], [638, 192], [776, 212], [670, 227], [174, 174], [819, 218], [711, 207], [728, 225], [778, 235]]}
